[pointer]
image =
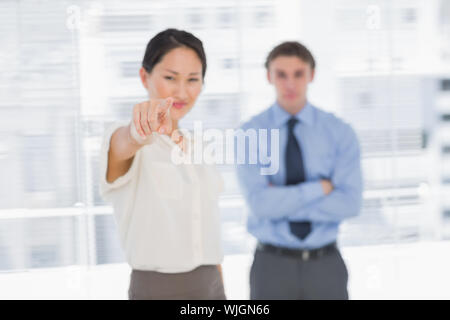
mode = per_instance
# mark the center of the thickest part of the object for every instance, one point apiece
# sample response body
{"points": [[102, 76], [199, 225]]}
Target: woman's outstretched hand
{"points": [[151, 116]]}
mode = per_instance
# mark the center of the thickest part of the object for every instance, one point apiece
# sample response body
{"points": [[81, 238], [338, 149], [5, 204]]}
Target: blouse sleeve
{"points": [[107, 189]]}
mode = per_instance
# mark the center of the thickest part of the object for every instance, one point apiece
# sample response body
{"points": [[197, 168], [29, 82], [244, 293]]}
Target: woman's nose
{"points": [[181, 91]]}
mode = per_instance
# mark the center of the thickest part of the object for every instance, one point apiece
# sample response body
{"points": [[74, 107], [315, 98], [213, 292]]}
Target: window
{"points": [[62, 83]]}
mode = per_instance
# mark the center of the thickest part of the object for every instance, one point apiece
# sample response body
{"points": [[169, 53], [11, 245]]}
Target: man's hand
{"points": [[327, 186]]}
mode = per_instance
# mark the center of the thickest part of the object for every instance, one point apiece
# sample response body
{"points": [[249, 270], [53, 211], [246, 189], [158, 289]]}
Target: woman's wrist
{"points": [[134, 138]]}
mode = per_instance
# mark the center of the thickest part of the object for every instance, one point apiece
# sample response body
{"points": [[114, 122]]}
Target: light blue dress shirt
{"points": [[330, 151]]}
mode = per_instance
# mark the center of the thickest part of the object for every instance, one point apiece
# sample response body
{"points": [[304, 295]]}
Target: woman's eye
{"points": [[168, 77], [193, 80]]}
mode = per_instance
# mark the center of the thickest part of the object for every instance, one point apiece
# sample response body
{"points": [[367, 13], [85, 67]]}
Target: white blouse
{"points": [[167, 214]]}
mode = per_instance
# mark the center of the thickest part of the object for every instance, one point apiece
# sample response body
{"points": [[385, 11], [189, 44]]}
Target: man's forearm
{"points": [[278, 202], [335, 207]]}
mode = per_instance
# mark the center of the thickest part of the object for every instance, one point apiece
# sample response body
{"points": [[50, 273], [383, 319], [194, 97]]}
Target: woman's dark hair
{"points": [[170, 39], [291, 48]]}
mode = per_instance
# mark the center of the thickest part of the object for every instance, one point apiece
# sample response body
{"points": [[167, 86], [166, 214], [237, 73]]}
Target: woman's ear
{"points": [[143, 76]]}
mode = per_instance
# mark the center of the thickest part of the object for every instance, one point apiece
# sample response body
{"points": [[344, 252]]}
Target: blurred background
{"points": [[70, 68]]}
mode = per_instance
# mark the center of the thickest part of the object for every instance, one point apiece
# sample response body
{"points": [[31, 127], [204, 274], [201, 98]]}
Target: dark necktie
{"points": [[295, 173]]}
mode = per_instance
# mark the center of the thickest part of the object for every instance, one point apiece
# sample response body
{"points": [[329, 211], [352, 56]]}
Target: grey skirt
{"points": [[202, 283]]}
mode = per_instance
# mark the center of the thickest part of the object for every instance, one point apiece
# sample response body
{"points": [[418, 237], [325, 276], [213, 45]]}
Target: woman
{"points": [[167, 213]]}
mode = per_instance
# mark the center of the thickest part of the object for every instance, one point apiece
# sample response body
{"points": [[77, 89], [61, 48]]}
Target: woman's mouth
{"points": [[178, 105]]}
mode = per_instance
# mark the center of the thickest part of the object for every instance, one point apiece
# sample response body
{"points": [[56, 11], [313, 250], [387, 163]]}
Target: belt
{"points": [[304, 254]]}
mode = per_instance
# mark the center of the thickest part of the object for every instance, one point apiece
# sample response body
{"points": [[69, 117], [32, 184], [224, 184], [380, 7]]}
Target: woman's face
{"points": [[177, 75]]}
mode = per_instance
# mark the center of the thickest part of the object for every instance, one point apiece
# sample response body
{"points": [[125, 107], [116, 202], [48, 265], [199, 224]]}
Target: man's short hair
{"points": [[291, 48]]}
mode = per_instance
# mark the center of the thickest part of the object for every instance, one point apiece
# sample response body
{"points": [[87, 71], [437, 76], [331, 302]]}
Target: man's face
{"points": [[290, 76]]}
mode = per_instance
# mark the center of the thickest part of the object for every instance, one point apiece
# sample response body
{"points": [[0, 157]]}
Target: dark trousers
{"points": [[276, 276]]}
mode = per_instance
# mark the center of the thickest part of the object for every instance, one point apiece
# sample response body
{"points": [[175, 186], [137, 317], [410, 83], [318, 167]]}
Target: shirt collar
{"points": [[281, 116]]}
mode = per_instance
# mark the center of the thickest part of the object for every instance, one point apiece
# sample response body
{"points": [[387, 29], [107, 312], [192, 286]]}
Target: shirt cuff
{"points": [[312, 190]]}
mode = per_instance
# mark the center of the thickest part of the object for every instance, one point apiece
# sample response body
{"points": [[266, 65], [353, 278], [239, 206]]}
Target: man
{"points": [[295, 213]]}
